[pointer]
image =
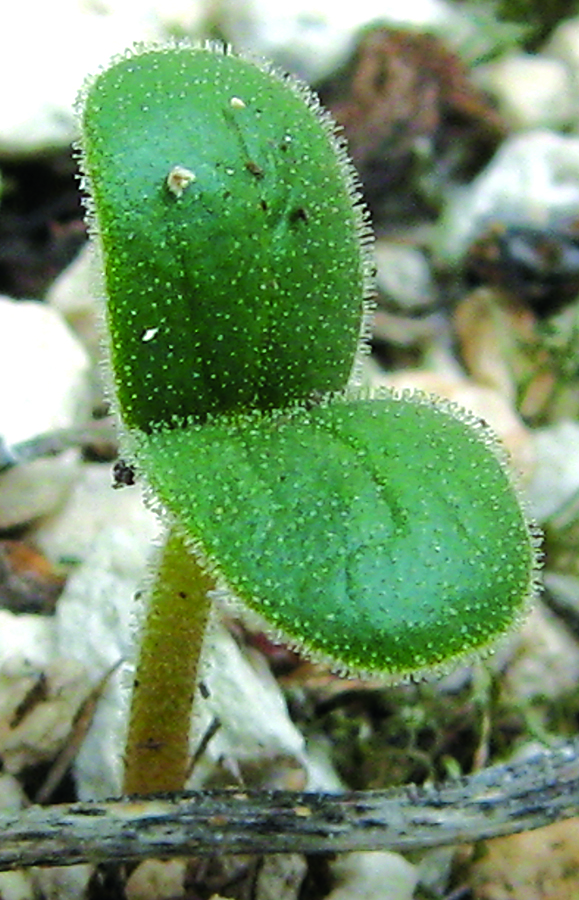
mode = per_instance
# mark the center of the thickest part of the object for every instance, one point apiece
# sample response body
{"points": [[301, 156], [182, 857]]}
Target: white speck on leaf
{"points": [[178, 179], [237, 103], [149, 334]]}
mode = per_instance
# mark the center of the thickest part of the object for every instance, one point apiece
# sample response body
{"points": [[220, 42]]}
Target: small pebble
{"points": [[44, 372], [533, 179], [531, 91]]}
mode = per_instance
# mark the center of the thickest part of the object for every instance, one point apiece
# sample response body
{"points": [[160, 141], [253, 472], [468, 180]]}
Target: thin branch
{"points": [[496, 801]]}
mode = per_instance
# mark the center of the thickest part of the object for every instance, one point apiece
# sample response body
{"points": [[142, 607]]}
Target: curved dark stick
{"points": [[496, 801]]}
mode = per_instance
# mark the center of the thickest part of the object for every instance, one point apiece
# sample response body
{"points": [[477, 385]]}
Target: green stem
{"points": [[157, 751]]}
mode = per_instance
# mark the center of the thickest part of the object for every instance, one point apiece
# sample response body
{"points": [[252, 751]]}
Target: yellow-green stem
{"points": [[157, 750]]}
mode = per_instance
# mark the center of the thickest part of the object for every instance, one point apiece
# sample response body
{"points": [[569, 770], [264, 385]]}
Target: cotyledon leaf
{"points": [[381, 534], [235, 253]]}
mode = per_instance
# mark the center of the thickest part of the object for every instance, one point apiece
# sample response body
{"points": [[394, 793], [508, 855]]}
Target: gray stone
{"points": [[97, 623], [403, 276], [531, 91], [533, 179], [313, 38], [556, 477], [48, 49], [563, 46], [44, 373]]}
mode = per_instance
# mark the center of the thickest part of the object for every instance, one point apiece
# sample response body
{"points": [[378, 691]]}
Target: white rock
{"points": [[531, 91], [564, 42], [563, 45], [403, 275], [405, 287], [37, 710], [75, 295], [48, 49], [563, 593], [12, 796], [157, 879], [96, 624], [255, 726], [435, 868], [44, 372], [36, 488], [322, 773], [556, 476], [63, 882], [27, 637], [312, 38], [367, 876], [71, 532], [18, 885], [546, 662], [533, 178]]}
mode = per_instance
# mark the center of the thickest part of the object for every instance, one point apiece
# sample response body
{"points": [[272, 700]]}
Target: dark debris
{"points": [[41, 223], [403, 96]]}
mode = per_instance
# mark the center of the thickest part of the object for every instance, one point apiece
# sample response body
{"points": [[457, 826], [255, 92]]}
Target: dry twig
{"points": [[496, 801]]}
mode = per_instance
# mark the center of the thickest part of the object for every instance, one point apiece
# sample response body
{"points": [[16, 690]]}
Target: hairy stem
{"points": [[157, 750]]}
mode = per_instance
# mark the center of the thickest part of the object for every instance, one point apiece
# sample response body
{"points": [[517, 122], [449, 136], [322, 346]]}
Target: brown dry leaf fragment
{"points": [[399, 90], [28, 581], [535, 865]]}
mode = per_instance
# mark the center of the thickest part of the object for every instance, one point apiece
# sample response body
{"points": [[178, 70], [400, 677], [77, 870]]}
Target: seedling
{"points": [[382, 535]]}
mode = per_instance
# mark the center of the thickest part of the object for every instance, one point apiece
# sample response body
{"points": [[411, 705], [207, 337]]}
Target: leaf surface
{"points": [[234, 245], [382, 534]]}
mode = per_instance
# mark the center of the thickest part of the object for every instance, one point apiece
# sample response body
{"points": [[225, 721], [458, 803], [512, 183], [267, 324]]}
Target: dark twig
{"points": [[496, 801]]}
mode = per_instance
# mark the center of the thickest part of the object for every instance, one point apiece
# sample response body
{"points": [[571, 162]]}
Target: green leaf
{"points": [[234, 246], [384, 535]]}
